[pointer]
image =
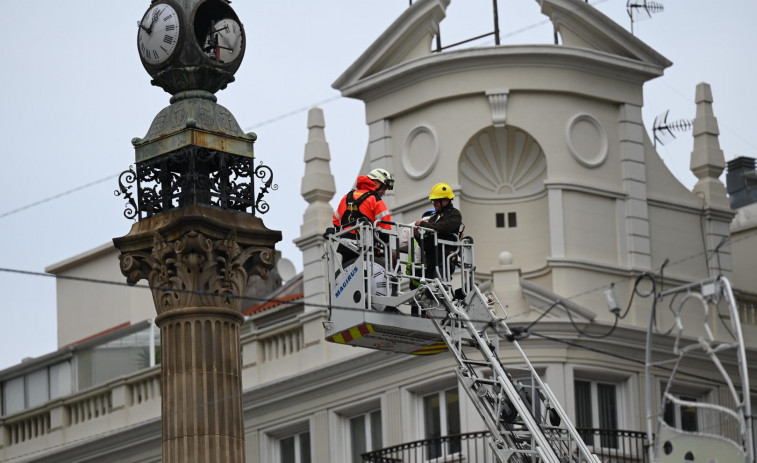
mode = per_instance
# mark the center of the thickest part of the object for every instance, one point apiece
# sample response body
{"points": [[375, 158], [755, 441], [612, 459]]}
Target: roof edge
{"points": [[420, 19], [599, 31]]}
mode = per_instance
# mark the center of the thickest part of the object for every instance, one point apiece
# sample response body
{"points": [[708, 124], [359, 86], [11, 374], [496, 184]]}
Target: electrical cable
{"points": [[708, 379], [292, 113], [59, 195], [573, 344], [249, 298]]}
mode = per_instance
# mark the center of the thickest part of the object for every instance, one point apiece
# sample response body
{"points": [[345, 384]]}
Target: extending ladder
{"points": [[523, 415]]}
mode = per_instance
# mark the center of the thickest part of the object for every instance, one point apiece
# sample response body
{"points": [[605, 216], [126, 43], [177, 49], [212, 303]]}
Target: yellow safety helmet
{"points": [[441, 190]]}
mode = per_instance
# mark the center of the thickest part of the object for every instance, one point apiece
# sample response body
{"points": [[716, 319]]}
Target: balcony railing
{"points": [[616, 445], [469, 447], [610, 445]]}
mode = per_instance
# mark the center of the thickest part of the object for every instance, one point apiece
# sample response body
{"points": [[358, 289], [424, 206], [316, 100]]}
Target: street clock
{"points": [[190, 45]]}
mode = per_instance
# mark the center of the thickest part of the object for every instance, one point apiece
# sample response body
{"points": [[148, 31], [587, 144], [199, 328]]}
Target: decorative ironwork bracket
{"points": [[194, 175]]}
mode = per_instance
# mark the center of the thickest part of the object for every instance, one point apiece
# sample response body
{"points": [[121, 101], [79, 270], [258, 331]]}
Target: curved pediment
{"points": [[583, 26], [590, 39], [408, 37]]}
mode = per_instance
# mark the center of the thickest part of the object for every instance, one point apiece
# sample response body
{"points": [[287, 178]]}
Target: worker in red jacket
{"points": [[364, 202]]}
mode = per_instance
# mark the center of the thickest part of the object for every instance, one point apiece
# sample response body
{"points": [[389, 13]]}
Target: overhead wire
{"points": [[709, 380], [56, 196], [261, 299], [290, 302], [292, 113], [271, 120]]}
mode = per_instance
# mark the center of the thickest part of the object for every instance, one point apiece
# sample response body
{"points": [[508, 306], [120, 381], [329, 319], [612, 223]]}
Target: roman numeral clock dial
{"points": [[158, 34]]}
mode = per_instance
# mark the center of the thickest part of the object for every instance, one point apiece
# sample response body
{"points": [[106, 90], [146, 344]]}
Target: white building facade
{"points": [[561, 189]]}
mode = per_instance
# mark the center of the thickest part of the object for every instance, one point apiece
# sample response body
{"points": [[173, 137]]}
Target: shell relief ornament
{"points": [[502, 163]]}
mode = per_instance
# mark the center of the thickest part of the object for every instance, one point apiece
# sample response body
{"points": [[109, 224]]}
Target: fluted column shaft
{"points": [[201, 386]]}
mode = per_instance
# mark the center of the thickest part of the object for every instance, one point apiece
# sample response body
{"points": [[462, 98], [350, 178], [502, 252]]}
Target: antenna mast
{"points": [[637, 7]]}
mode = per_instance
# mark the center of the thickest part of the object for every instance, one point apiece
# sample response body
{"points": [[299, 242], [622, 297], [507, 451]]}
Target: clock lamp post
{"points": [[198, 236]]}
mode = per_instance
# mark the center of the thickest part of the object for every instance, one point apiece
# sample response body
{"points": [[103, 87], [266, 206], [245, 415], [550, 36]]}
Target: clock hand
{"points": [[142, 26], [155, 15]]}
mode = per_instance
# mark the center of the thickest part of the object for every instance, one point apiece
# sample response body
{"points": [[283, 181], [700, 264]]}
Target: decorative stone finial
{"points": [[318, 183], [505, 258], [707, 160]]}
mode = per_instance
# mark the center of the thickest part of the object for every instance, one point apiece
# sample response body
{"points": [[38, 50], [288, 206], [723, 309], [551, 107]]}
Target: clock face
{"points": [[225, 41], [158, 34]]}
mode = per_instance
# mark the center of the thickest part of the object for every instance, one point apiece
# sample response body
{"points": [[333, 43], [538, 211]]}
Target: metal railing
{"points": [[616, 445], [610, 445], [470, 447], [494, 33]]}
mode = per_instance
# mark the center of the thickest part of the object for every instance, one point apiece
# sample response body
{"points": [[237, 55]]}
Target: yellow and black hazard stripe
{"points": [[347, 336], [435, 348]]}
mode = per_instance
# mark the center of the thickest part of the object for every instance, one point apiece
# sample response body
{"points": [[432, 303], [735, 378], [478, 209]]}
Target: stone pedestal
{"points": [[197, 261]]}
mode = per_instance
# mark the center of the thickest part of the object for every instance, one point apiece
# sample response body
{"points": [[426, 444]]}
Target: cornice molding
{"points": [[479, 58], [114, 445], [583, 188]]}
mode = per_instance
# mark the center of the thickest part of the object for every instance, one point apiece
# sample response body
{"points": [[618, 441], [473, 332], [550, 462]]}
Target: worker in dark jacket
{"points": [[446, 222]]}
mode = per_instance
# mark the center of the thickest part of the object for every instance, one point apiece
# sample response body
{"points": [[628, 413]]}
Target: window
{"points": [[512, 219], [116, 357], [13, 396], [295, 449], [441, 418], [36, 388], [60, 380], [597, 407], [680, 416], [365, 434], [684, 412]]}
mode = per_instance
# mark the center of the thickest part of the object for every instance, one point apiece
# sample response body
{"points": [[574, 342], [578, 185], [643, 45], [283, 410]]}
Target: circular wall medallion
{"points": [[420, 153], [587, 140]]}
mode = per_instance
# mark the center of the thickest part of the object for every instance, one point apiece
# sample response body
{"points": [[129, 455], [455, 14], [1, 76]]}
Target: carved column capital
{"points": [[195, 270]]}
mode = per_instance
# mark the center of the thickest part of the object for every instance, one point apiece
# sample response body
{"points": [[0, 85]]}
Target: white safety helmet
{"points": [[383, 176]]}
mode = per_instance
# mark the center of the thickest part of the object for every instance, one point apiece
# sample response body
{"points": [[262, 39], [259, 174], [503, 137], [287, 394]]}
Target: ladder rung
{"points": [[482, 363]]}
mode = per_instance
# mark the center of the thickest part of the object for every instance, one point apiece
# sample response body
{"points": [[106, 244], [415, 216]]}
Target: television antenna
{"points": [[663, 130], [638, 9]]}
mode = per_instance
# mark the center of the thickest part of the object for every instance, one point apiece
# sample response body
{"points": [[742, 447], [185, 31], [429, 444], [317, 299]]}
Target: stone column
{"points": [[197, 261]]}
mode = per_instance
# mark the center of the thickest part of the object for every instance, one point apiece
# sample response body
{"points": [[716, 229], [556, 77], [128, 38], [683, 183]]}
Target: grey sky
{"points": [[74, 94]]}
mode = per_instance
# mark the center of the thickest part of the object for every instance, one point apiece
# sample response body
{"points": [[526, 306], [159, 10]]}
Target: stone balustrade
{"points": [[101, 409], [281, 344], [128, 400]]}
